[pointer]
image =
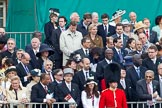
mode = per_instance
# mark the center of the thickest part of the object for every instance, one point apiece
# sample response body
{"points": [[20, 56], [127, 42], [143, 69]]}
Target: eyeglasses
{"points": [[148, 76]]}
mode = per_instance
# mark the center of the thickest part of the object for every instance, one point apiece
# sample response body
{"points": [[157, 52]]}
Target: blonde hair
{"points": [[91, 26]]}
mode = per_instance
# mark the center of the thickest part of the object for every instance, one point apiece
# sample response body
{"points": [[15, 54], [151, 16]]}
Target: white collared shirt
{"points": [[108, 61], [85, 50], [154, 60], [106, 26]]}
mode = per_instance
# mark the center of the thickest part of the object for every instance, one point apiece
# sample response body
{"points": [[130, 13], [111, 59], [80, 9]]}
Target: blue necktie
{"points": [[120, 56], [26, 69], [138, 72]]}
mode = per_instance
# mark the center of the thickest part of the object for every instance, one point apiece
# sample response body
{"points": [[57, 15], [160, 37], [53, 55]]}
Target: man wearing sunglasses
{"points": [[147, 89]]}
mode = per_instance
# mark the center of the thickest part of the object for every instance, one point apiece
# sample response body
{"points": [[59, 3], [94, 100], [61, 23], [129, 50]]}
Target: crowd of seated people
{"points": [[70, 65]]}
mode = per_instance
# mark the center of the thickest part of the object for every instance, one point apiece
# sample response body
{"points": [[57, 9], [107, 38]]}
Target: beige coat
{"points": [[69, 42], [21, 93]]}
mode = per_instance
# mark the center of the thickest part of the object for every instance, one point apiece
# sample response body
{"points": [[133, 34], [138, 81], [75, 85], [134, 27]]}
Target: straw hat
{"points": [[139, 25]]}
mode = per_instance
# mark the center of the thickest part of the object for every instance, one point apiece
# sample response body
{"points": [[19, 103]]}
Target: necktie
{"points": [[106, 30], [69, 87], [86, 51], [86, 75], [119, 36], [26, 69], [138, 72], [45, 88], [123, 84], [147, 34], [150, 102], [120, 56], [16, 94]]}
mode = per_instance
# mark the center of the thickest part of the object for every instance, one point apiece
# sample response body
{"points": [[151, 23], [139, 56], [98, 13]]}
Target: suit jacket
{"points": [[101, 32], [153, 37], [38, 93], [63, 91], [79, 79], [34, 60], [82, 29], [81, 52], [148, 63], [127, 90], [142, 91], [116, 57], [48, 28], [21, 72], [125, 39]]}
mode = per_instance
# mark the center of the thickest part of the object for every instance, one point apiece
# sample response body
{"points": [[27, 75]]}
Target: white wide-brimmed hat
{"points": [[117, 14]]}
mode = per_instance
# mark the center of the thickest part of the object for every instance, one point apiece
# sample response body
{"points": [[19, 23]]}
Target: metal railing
{"points": [[65, 104], [22, 38], [38, 105]]}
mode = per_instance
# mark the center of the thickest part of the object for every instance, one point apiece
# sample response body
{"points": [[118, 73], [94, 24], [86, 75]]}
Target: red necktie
{"points": [[147, 34]]}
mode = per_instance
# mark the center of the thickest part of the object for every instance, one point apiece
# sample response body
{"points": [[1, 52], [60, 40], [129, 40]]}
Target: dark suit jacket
{"points": [[38, 93], [116, 57], [34, 60], [22, 73], [133, 77], [127, 90], [82, 29], [101, 32], [148, 63], [63, 91], [81, 52], [153, 37], [142, 91], [48, 28], [79, 79], [125, 39]]}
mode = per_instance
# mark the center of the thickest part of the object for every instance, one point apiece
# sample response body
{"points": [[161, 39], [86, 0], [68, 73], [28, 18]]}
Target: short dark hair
{"points": [[158, 19], [153, 47], [43, 76], [35, 34], [116, 39], [129, 41], [73, 23], [119, 24], [84, 40], [104, 16], [52, 15], [63, 18], [87, 16]]}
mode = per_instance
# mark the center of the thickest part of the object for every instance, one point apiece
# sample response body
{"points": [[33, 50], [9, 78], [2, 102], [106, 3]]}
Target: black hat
{"points": [[128, 60], [45, 47], [75, 57], [55, 11], [112, 73], [11, 68], [35, 72]]}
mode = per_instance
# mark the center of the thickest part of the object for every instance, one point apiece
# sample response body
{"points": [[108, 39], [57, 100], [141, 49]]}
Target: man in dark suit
{"points": [[68, 91], [135, 73], [32, 51], [24, 68], [84, 51], [119, 52], [55, 42], [105, 29], [43, 92], [19, 53], [151, 35], [36, 34], [81, 77], [138, 48], [102, 64], [147, 89], [58, 77], [120, 34], [126, 85], [83, 25], [152, 62]]}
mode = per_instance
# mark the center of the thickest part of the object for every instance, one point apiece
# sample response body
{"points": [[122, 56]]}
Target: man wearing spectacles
{"points": [[58, 77], [147, 89]]}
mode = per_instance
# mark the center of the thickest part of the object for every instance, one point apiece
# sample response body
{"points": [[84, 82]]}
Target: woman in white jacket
{"points": [[90, 96]]}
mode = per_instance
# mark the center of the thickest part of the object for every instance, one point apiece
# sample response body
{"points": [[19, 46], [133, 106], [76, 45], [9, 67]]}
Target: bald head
{"points": [[75, 17], [2, 31], [86, 63], [25, 58], [132, 16]]}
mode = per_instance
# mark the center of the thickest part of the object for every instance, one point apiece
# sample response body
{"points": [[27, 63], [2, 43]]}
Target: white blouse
{"points": [[87, 103]]}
